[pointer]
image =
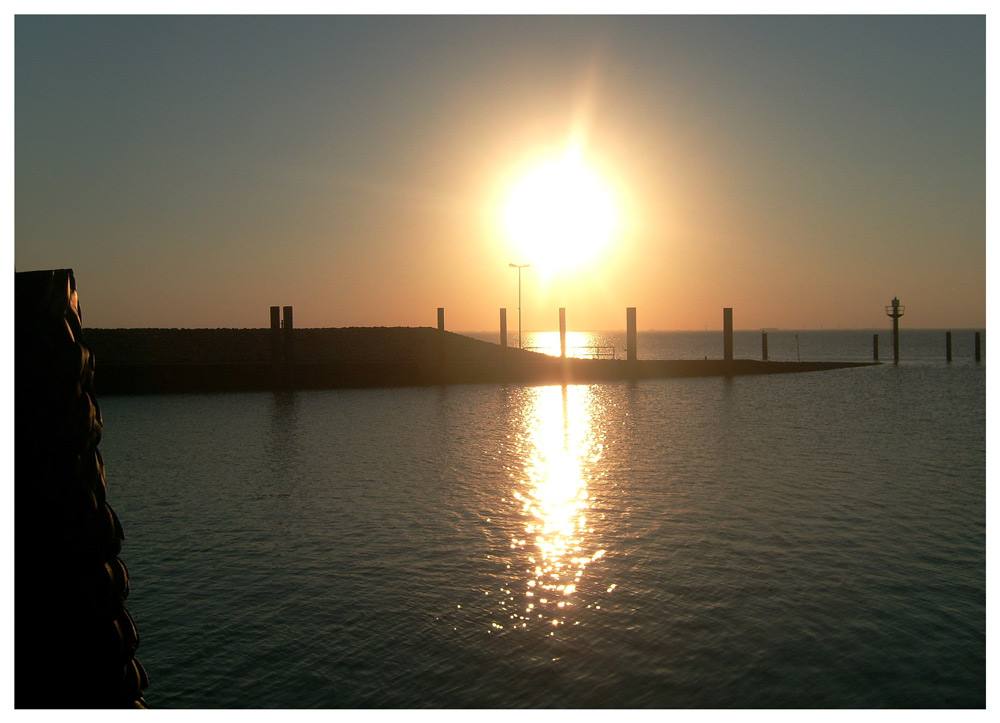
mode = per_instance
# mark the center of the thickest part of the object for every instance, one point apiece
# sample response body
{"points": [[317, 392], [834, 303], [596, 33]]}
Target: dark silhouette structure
{"points": [[631, 335], [894, 311], [138, 361], [562, 332], [287, 326], [275, 335], [74, 642], [281, 373], [727, 334]]}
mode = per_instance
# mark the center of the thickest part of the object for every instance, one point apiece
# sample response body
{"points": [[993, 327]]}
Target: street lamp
{"points": [[519, 267]]}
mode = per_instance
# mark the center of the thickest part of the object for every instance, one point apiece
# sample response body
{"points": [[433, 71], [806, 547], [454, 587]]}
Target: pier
{"points": [[135, 361]]}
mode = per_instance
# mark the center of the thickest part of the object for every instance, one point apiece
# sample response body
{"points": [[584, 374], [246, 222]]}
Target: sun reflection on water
{"points": [[561, 455], [580, 344]]}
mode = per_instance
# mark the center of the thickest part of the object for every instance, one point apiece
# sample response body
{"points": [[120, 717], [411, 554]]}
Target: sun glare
{"points": [[560, 214]]}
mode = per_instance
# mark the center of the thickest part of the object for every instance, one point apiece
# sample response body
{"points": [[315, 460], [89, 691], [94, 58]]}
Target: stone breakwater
{"points": [[133, 361]]}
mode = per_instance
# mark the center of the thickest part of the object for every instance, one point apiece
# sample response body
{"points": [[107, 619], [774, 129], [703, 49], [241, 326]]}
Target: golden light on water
{"points": [[557, 543], [578, 343]]}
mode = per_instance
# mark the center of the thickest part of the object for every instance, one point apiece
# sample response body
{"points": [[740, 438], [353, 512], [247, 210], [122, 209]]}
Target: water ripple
{"points": [[697, 543]]}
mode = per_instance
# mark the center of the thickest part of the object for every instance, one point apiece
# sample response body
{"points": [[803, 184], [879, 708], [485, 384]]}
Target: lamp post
{"points": [[519, 267]]}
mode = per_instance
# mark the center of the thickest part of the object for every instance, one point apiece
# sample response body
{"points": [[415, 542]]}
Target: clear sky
{"points": [[195, 171]]}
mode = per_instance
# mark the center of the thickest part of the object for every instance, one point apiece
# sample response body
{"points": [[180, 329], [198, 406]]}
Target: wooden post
{"points": [[763, 345], [503, 328], [727, 333], [440, 336], [275, 334], [947, 345], [286, 335], [562, 332], [631, 336], [978, 348], [875, 347]]}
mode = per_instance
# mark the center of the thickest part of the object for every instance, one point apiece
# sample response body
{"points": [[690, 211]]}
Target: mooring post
{"points": [[978, 348], [875, 347], [947, 345], [727, 333], [275, 334], [763, 345], [631, 336], [562, 332], [503, 328], [440, 336], [286, 335]]}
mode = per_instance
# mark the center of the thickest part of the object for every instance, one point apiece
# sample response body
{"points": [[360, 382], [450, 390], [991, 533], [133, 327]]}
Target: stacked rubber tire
{"points": [[74, 642]]}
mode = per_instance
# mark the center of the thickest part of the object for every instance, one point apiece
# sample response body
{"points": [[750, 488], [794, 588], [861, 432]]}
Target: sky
{"points": [[194, 171]]}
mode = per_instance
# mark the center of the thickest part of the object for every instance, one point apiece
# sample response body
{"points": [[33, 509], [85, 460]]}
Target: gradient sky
{"points": [[194, 171]]}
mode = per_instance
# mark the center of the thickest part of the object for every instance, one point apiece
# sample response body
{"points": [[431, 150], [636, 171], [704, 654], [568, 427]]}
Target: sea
{"points": [[813, 540]]}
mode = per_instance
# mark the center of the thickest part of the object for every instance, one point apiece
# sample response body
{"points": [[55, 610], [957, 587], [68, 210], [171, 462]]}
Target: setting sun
{"points": [[561, 213]]}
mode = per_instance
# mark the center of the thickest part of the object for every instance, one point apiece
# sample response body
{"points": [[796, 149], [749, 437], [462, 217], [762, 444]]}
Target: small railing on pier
{"points": [[579, 352]]}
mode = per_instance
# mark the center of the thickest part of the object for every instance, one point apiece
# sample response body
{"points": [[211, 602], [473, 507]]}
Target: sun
{"points": [[561, 213]]}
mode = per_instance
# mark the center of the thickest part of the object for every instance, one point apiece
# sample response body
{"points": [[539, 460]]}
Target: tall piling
{"points": [[275, 334], [947, 345], [440, 336], [979, 355], [631, 335], [763, 345], [875, 347], [562, 332], [503, 328], [727, 333], [286, 335]]}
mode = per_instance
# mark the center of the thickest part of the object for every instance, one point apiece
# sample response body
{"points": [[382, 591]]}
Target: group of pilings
{"points": [[631, 334], [947, 346], [282, 350], [978, 354]]}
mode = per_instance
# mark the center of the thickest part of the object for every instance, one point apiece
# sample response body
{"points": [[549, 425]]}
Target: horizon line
{"points": [[532, 331]]}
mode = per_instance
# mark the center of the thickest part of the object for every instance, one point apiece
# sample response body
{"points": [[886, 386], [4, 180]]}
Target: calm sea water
{"points": [[808, 540]]}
